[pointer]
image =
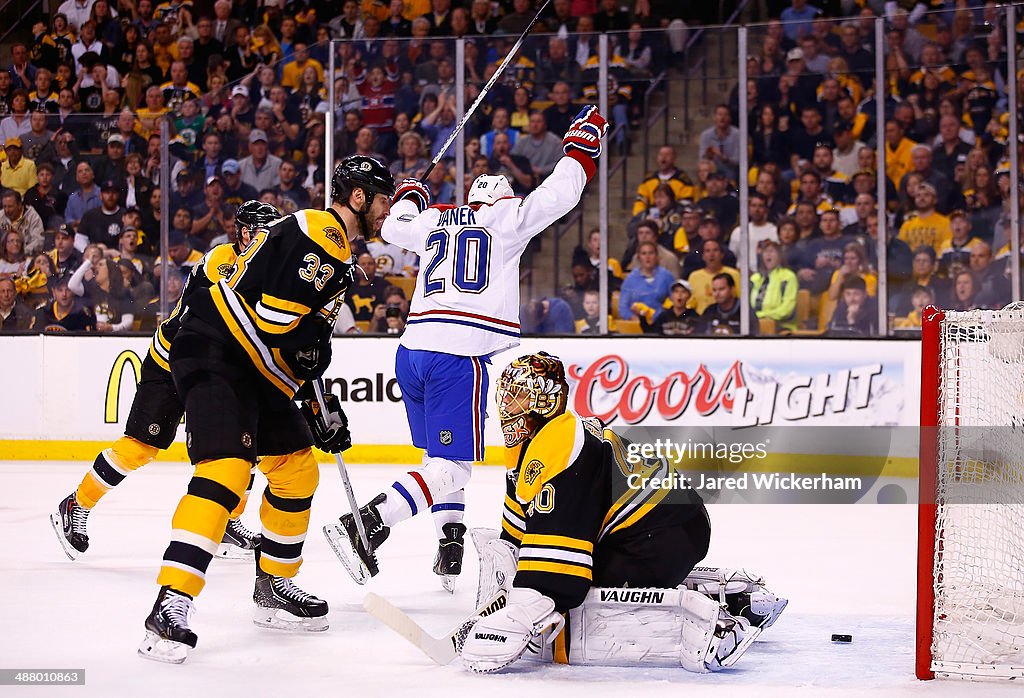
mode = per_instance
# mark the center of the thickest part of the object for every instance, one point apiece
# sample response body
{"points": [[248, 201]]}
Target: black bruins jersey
{"points": [[581, 493], [283, 294], [215, 265]]}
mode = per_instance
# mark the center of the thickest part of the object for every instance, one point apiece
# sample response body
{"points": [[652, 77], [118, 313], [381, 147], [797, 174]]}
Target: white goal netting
{"points": [[979, 533]]}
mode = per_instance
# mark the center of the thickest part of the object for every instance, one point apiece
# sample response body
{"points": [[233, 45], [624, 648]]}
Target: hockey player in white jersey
{"points": [[465, 308]]}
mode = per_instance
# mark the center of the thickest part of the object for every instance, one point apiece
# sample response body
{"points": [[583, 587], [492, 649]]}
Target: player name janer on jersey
{"points": [[463, 215]]}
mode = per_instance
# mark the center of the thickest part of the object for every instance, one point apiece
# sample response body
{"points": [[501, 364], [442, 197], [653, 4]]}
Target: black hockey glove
{"points": [[311, 362], [330, 428]]}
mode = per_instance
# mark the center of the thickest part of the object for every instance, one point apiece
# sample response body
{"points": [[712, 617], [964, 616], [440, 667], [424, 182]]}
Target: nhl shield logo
{"points": [[533, 470], [154, 429], [246, 439], [445, 437]]}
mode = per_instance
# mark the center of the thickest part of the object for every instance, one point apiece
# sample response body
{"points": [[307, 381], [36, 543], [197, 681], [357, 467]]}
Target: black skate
{"points": [[238, 542], [448, 561], [69, 523], [168, 637], [283, 606], [343, 537]]}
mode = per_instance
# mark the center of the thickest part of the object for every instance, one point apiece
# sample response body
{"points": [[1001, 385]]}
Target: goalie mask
{"points": [[532, 390], [486, 189]]}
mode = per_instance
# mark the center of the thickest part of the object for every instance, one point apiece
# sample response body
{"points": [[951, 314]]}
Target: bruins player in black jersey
{"points": [[581, 512], [156, 410], [246, 346]]}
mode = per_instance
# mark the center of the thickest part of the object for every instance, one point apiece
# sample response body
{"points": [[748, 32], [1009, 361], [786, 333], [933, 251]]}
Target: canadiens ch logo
{"points": [[334, 235], [533, 470], [445, 437], [246, 439]]}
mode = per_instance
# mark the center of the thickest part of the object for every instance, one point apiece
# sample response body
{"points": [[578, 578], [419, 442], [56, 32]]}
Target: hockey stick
{"points": [[318, 390], [442, 650], [483, 93]]}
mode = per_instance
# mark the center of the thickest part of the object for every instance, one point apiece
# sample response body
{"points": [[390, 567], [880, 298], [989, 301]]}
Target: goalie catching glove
{"points": [[414, 191], [329, 426], [582, 141]]}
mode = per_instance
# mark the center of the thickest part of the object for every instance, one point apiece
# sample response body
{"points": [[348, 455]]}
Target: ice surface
{"points": [[847, 569]]}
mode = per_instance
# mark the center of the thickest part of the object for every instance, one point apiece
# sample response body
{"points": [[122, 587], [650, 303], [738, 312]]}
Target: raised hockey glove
{"points": [[413, 190], [311, 362], [583, 139], [329, 427]]}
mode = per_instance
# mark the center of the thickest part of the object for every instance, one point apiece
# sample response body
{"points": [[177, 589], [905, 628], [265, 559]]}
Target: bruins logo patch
{"points": [[246, 440], [533, 470], [334, 235], [154, 429], [225, 270]]}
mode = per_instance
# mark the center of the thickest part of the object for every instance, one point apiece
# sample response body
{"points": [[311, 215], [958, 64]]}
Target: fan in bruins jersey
{"points": [[246, 346], [156, 409], [580, 524]]}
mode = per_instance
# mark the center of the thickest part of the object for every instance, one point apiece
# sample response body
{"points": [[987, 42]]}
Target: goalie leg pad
{"points": [[498, 560], [742, 592], [656, 627]]}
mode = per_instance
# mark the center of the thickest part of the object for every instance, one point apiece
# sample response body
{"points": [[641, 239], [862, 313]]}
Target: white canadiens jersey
{"points": [[466, 300]]}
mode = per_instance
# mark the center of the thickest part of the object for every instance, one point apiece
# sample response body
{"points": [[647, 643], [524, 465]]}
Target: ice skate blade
{"points": [[280, 619], [227, 551], [448, 582], [160, 650], [58, 528], [342, 546]]}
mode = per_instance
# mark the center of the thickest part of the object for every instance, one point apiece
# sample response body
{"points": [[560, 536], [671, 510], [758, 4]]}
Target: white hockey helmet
{"points": [[486, 189]]}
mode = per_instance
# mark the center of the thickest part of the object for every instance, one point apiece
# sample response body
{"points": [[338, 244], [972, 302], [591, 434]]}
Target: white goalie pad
{"points": [[498, 560], [655, 627], [743, 593]]}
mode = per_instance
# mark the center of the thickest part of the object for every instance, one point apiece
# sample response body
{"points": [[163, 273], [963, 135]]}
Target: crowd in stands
{"points": [[814, 220], [242, 85]]}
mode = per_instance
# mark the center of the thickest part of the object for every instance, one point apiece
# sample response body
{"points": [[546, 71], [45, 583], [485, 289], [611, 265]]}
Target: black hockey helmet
{"points": [[254, 215], [361, 172]]}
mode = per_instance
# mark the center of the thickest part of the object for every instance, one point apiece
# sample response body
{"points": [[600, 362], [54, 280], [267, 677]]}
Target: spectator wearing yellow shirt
{"points": [[667, 173], [898, 161], [855, 263], [925, 225], [921, 297], [291, 74], [700, 280], [17, 172]]}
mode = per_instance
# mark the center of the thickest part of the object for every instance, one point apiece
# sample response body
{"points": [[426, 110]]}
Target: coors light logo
{"points": [[636, 395]]}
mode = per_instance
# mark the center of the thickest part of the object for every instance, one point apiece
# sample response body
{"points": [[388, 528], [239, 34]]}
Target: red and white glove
{"points": [[413, 190], [583, 139]]}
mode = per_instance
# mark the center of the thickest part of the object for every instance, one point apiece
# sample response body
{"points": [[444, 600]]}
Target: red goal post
{"points": [[970, 552]]}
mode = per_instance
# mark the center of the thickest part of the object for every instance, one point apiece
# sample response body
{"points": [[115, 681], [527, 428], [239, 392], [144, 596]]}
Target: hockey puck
{"points": [[842, 638]]}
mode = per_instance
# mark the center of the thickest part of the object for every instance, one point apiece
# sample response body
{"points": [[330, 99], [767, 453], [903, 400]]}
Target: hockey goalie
{"points": [[598, 572]]}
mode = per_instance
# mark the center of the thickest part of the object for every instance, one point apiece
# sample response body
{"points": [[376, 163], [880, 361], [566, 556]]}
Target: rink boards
{"points": [[70, 395]]}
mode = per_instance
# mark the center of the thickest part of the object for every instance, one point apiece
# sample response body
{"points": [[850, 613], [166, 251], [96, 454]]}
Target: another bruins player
{"points": [[580, 512], [156, 410], [245, 348]]}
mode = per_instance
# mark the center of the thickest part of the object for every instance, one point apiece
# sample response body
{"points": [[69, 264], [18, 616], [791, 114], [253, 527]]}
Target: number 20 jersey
{"points": [[466, 300]]}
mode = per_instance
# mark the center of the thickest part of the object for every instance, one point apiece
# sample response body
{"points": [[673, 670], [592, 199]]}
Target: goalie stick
{"points": [[442, 650]]}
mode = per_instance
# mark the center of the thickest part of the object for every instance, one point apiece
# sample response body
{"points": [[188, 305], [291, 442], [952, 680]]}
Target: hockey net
{"points": [[970, 621]]}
